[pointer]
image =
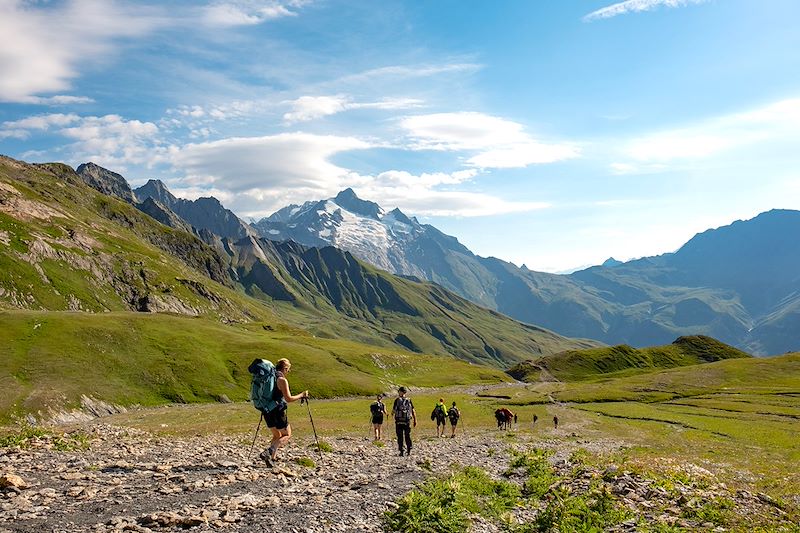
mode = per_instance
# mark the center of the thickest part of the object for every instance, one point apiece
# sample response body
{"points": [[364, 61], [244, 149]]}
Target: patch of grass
{"points": [[324, 446], [306, 461], [596, 510], [539, 472], [27, 435], [445, 504], [716, 511], [378, 443]]}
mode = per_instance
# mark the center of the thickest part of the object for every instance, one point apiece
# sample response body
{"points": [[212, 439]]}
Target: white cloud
{"points": [[44, 44], [308, 108], [258, 175], [635, 6], [408, 71], [499, 143], [248, 12], [112, 141], [433, 194], [774, 123], [42, 122], [278, 161]]}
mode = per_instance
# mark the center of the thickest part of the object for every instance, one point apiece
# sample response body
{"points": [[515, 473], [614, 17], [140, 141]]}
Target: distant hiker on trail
{"points": [[453, 414], [277, 420], [404, 415], [378, 411], [439, 414], [535, 418], [555, 422], [515, 419]]}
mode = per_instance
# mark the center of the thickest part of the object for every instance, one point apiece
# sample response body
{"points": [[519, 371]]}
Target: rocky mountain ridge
{"points": [[737, 283]]}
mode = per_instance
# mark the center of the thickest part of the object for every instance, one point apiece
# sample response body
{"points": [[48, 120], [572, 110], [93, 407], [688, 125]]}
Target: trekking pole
{"points": [[319, 449], [258, 427]]}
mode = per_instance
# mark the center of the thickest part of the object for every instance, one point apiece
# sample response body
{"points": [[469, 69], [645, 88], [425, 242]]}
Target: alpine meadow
{"points": [[311, 266]]}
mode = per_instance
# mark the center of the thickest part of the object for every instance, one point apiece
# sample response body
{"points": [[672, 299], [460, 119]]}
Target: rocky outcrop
{"points": [[203, 213], [106, 181]]}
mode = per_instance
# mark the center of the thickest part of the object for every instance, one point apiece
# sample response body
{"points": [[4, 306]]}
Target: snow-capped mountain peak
{"points": [[346, 221]]}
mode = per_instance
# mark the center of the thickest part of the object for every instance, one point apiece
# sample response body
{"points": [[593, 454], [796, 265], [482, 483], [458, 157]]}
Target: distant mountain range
{"points": [[86, 242], [738, 283]]}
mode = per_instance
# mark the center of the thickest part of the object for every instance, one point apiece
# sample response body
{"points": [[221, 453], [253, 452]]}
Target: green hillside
{"points": [[49, 359], [68, 247], [600, 363]]}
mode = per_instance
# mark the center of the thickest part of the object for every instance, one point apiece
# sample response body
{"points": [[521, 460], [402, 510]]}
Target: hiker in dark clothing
{"points": [[277, 421], [440, 415], [453, 414], [515, 419], [535, 418], [378, 411], [404, 416], [555, 422]]}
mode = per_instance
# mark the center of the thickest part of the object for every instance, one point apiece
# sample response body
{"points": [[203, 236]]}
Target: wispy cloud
{"points": [[496, 142], [775, 125], [36, 58], [635, 6], [312, 107], [248, 12]]}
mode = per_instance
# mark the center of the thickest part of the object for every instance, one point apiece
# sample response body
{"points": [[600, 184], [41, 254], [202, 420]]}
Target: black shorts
{"points": [[454, 421], [277, 419], [377, 419]]}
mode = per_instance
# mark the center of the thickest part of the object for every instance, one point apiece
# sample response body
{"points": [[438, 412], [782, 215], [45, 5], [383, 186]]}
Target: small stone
{"points": [[13, 481]]}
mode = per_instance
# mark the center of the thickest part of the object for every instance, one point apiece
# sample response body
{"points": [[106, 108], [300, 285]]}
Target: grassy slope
{"points": [[740, 417], [87, 251], [49, 359], [598, 363]]}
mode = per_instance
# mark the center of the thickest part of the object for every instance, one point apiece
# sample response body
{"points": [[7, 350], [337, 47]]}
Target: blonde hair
{"points": [[283, 364]]}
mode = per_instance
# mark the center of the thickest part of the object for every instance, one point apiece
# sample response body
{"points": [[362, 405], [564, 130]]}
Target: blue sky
{"points": [[554, 134]]}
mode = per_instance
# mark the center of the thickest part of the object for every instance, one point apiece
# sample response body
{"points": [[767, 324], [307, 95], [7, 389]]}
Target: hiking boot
{"points": [[266, 457], [401, 453]]}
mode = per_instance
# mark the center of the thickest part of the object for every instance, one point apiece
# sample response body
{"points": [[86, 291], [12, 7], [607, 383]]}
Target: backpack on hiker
{"points": [[453, 414], [438, 413], [402, 411], [264, 386], [376, 409]]}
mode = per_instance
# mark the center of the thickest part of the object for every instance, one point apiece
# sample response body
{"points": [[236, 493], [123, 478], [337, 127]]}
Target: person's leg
{"points": [[380, 432], [285, 435], [399, 430], [375, 431], [407, 432]]}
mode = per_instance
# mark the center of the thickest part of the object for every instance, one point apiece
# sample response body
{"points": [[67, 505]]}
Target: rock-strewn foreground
{"points": [[134, 481]]}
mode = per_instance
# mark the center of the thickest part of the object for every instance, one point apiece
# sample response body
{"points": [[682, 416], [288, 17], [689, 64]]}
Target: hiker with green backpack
{"points": [[439, 414], [270, 394]]}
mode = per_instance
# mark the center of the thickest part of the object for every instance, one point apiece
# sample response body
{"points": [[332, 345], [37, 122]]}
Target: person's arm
{"points": [[414, 415], [283, 385]]}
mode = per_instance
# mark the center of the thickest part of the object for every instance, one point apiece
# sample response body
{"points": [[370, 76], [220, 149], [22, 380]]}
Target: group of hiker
{"points": [[271, 395], [405, 417]]}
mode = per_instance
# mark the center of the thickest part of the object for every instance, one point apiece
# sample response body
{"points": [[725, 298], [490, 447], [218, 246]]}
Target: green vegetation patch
{"points": [[444, 505], [31, 436]]}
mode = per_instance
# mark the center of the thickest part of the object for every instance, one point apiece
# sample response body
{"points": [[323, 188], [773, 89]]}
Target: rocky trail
{"points": [[129, 480]]}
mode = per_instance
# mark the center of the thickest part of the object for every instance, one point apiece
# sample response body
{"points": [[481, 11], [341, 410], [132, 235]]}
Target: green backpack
{"points": [[264, 386]]}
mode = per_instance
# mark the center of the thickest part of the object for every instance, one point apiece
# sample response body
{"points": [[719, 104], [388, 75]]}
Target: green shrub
{"points": [[444, 504], [305, 461]]}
